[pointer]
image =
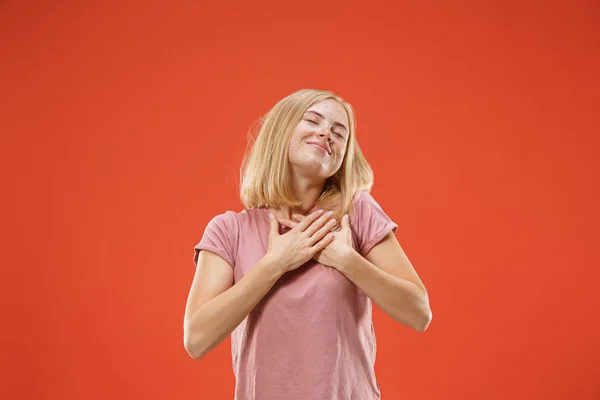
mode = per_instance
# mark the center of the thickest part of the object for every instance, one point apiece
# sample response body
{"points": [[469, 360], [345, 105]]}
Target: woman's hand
{"points": [[336, 252], [302, 242]]}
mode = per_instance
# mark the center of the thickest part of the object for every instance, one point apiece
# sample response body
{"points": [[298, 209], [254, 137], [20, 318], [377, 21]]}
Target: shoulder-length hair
{"points": [[265, 173]]}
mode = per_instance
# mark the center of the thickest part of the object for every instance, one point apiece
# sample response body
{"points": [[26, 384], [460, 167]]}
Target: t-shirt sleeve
{"points": [[220, 237], [370, 223]]}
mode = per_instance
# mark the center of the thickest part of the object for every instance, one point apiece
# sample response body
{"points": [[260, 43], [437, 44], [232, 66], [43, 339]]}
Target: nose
{"points": [[326, 134]]}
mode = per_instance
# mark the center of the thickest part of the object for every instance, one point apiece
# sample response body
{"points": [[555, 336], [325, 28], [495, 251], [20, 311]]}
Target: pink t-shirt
{"points": [[311, 337]]}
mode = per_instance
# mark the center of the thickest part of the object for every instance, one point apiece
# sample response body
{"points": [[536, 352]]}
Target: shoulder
{"points": [[369, 222], [220, 237], [239, 220], [363, 202], [359, 201], [228, 219], [251, 218], [361, 197]]}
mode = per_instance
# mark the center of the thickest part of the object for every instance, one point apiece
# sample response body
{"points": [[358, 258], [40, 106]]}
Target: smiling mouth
{"points": [[320, 147]]}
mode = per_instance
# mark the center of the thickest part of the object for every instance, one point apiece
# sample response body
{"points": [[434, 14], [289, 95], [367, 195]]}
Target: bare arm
{"points": [[215, 306], [386, 275]]}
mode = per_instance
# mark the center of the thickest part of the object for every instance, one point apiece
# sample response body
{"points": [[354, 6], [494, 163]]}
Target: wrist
{"points": [[273, 266], [348, 260]]}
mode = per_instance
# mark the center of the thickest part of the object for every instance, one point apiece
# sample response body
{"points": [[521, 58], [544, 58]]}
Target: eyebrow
{"points": [[335, 123]]}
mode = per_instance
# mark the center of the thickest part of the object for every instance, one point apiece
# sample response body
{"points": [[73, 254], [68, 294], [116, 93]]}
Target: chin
{"points": [[312, 169]]}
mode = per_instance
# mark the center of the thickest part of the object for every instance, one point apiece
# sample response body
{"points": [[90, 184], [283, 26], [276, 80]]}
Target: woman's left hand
{"points": [[336, 252]]}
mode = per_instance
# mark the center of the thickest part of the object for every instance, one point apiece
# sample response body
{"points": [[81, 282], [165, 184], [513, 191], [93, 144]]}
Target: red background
{"points": [[124, 125]]}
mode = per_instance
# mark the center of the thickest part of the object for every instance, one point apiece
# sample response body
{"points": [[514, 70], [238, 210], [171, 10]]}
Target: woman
{"points": [[292, 276]]}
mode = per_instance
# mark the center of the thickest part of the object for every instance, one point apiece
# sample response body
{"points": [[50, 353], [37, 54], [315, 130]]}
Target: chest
{"points": [[322, 289]]}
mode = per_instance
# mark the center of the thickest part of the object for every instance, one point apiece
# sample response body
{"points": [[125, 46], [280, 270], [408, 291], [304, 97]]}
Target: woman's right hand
{"points": [[295, 247]]}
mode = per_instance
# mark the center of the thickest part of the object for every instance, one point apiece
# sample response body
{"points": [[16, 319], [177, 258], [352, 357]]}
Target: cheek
{"points": [[341, 154], [299, 134], [295, 150], [295, 144]]}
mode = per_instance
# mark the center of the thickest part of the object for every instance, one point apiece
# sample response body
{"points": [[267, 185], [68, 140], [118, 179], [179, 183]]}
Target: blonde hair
{"points": [[265, 176]]}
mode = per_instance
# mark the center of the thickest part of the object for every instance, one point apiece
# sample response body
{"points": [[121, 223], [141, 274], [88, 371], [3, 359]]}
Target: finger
{"points": [[324, 220], [273, 225], [298, 217], [318, 235], [287, 222], [320, 245], [346, 222], [312, 217]]}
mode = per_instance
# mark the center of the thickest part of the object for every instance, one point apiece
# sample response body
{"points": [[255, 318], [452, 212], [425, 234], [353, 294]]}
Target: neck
{"points": [[305, 190]]}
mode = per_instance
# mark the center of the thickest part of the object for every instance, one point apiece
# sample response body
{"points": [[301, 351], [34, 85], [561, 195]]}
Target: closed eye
{"points": [[316, 123]]}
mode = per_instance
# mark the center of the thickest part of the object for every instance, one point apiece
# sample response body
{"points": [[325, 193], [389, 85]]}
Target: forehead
{"points": [[330, 109]]}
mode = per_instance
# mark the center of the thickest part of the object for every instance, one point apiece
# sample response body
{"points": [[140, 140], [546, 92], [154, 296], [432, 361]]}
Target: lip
{"points": [[321, 146]]}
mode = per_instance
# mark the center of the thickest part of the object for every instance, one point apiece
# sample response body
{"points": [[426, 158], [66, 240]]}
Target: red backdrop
{"points": [[123, 129]]}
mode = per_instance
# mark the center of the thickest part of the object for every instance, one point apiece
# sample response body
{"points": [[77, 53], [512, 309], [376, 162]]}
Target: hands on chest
{"points": [[310, 236]]}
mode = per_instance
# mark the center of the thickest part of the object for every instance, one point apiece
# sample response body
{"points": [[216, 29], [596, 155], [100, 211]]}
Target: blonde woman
{"points": [[292, 276]]}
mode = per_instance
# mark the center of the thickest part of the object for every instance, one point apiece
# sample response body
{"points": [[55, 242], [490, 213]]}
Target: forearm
{"points": [[401, 299], [216, 319]]}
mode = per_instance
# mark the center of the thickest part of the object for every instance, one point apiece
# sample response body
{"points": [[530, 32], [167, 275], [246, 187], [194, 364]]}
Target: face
{"points": [[319, 141]]}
